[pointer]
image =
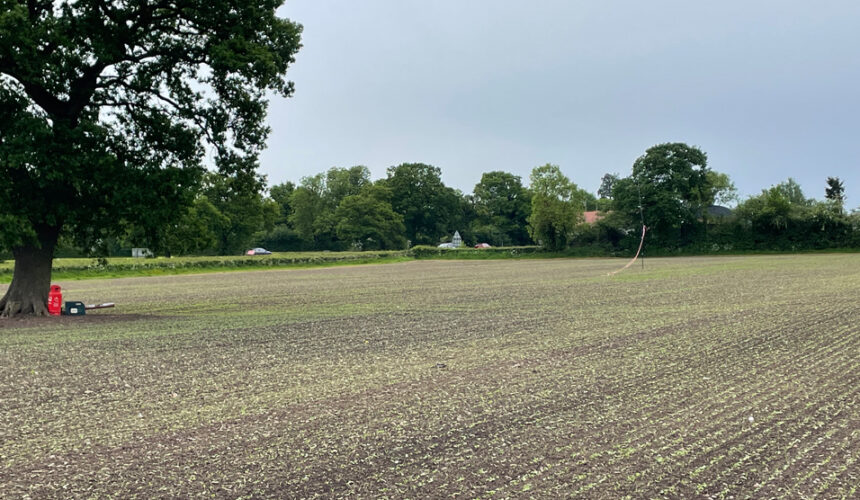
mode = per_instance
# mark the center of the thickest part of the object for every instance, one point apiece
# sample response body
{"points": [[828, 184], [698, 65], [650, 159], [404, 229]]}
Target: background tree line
{"points": [[670, 189]]}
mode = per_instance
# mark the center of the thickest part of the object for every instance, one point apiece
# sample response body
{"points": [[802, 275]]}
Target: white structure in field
{"points": [[140, 253], [457, 241]]}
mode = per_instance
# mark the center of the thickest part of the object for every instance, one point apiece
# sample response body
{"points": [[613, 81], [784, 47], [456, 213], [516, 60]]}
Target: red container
{"points": [[55, 299]]}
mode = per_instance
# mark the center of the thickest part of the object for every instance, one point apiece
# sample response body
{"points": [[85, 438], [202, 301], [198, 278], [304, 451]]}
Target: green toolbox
{"points": [[75, 309]]}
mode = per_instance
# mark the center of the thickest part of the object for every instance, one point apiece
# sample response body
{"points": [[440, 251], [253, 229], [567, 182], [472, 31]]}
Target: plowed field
{"points": [[693, 377]]}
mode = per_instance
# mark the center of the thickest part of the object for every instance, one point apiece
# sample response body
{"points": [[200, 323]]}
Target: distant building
{"points": [[140, 253], [715, 214], [593, 216], [457, 241], [718, 211]]}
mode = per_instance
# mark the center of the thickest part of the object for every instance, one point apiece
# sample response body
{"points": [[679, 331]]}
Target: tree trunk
{"points": [[31, 281]]}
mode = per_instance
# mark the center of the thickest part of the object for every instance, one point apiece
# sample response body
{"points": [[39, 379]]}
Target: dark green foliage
{"points": [[196, 232], [281, 194], [557, 206], [720, 190], [282, 238], [430, 209], [835, 189], [368, 222], [314, 203], [242, 214], [607, 184], [106, 107], [502, 206], [491, 234], [783, 218], [854, 225], [670, 178], [306, 205], [105, 112], [609, 234], [674, 187], [835, 192], [343, 182]]}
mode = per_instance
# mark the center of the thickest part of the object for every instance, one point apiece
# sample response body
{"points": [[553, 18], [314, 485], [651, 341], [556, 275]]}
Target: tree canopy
{"points": [[241, 213], [607, 183], [502, 206], [281, 194], [367, 221], [314, 203], [835, 191], [429, 208], [109, 109], [674, 187], [782, 217], [556, 207]]}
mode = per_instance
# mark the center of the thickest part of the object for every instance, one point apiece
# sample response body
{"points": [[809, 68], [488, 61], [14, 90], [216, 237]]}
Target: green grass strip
{"points": [[125, 267]]}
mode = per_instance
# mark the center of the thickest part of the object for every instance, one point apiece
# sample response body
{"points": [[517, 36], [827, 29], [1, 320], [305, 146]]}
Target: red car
{"points": [[483, 245]]}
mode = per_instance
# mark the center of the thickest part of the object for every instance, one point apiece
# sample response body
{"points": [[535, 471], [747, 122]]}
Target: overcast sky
{"points": [[769, 89]]}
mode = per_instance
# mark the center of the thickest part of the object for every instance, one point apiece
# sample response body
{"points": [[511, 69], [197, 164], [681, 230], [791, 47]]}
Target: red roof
{"points": [[593, 216]]}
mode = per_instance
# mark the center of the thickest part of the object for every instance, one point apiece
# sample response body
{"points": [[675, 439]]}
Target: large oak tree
{"points": [[670, 190], [108, 109]]}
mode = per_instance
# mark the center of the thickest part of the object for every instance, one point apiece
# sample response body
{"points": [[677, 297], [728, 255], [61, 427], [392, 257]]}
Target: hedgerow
{"points": [[168, 264]]}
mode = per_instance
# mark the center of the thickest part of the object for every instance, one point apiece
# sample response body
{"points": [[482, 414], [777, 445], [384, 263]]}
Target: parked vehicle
{"points": [[258, 251], [483, 245], [447, 245]]}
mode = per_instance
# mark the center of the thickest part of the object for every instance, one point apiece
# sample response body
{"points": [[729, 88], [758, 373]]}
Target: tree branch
{"points": [[44, 99], [82, 89], [131, 106]]}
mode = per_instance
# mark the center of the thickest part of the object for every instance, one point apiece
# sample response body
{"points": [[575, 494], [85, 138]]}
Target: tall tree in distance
{"points": [[778, 215], [607, 182], [243, 213], [556, 207], [719, 190], [281, 194], [314, 202], [793, 193], [429, 208], [835, 192], [367, 221], [307, 204], [673, 187], [502, 206], [107, 108], [343, 182]]}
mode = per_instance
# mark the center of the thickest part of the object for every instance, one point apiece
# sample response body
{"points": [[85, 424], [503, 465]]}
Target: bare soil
{"points": [[695, 378]]}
